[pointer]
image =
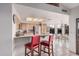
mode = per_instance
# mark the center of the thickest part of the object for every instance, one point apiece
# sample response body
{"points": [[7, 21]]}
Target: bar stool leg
{"points": [[39, 49], [32, 54], [52, 51], [49, 51], [44, 48], [25, 51]]}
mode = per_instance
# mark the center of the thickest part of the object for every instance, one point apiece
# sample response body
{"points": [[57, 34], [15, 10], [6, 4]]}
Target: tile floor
{"points": [[60, 48]]}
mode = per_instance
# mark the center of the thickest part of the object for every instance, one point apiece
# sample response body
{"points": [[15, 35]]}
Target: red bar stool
{"points": [[33, 45], [48, 44]]}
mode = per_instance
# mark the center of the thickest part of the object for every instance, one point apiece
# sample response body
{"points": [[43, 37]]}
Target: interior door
{"points": [[77, 36]]}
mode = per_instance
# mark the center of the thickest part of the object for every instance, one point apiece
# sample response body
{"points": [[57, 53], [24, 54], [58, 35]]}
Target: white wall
{"points": [[14, 11], [72, 22], [5, 30]]}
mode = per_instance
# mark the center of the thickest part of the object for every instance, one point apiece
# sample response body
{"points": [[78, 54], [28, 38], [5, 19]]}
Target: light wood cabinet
{"points": [[29, 27], [44, 28], [23, 26]]}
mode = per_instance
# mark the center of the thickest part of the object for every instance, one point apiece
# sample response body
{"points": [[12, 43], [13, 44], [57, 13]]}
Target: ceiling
{"points": [[70, 5], [67, 5]]}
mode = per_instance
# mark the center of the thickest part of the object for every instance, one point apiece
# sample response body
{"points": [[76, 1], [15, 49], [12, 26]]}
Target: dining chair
{"points": [[48, 44], [35, 43]]}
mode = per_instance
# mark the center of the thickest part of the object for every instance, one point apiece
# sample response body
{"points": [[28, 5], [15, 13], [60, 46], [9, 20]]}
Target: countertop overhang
{"points": [[25, 36]]}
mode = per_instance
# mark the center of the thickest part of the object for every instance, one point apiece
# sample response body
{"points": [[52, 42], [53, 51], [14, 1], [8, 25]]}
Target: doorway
{"points": [[77, 36]]}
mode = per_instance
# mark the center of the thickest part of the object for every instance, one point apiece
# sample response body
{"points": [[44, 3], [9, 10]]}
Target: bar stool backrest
{"points": [[35, 40], [50, 39]]}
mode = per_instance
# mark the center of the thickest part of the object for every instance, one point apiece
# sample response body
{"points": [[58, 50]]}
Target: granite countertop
{"points": [[29, 36]]}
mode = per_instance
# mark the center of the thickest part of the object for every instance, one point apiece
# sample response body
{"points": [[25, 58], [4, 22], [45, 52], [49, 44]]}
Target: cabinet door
{"points": [[17, 26], [44, 28], [23, 26]]}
